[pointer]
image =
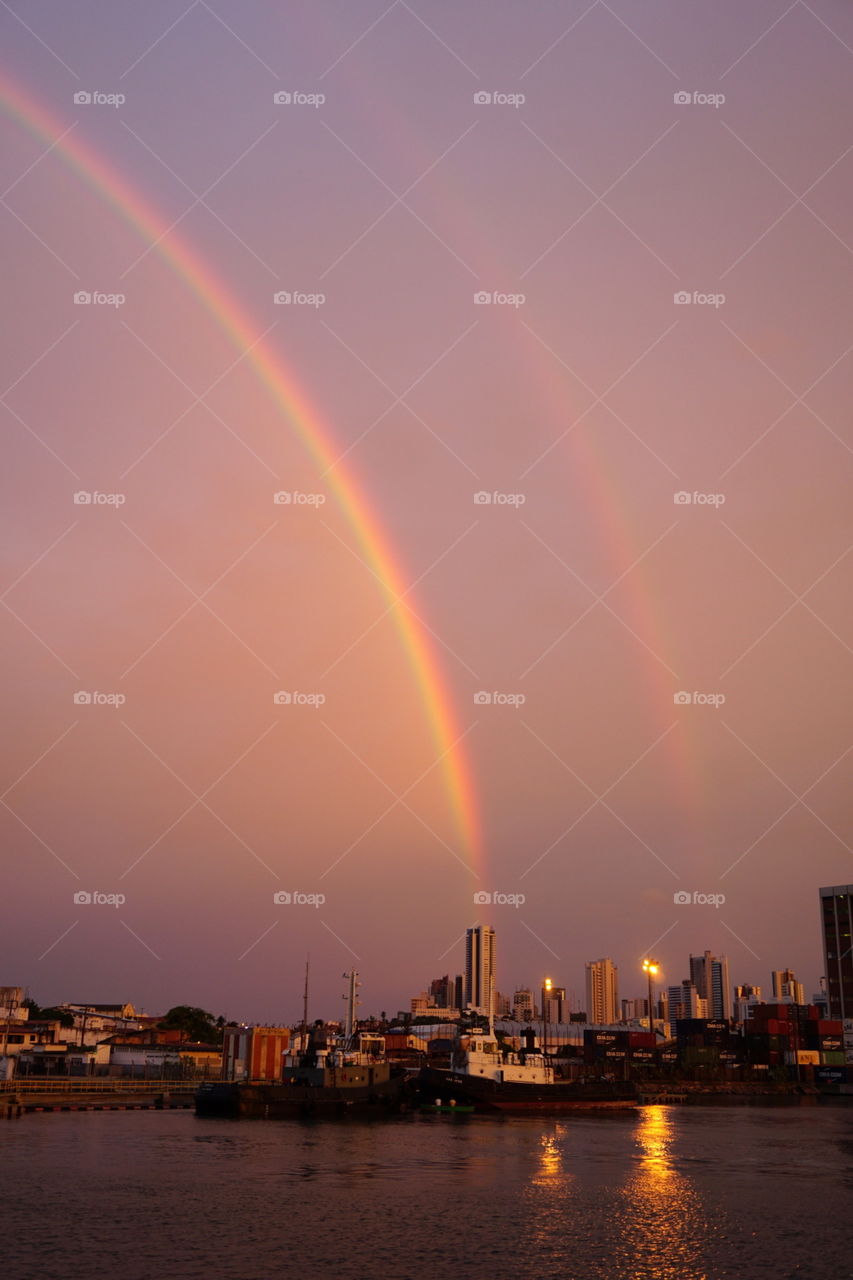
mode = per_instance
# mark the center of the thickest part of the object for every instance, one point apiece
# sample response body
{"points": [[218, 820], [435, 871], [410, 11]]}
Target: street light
{"points": [[546, 1000], [651, 968]]}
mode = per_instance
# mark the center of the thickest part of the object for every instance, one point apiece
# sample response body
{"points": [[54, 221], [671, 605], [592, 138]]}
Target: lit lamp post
{"points": [[546, 1000], [651, 968]]}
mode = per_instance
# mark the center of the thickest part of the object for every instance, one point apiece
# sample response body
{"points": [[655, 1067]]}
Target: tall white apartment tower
{"points": [[602, 991], [480, 969]]}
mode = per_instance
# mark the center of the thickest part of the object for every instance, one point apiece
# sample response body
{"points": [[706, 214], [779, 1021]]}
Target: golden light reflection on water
{"points": [[551, 1173], [663, 1221], [613, 1201]]}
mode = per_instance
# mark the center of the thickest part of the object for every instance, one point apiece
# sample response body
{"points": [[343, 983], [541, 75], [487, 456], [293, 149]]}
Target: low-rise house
{"points": [[146, 1057]]}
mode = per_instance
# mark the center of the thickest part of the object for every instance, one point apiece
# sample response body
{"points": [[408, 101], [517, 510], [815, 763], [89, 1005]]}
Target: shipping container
{"points": [[641, 1040], [803, 1057], [832, 1075], [824, 1026]]}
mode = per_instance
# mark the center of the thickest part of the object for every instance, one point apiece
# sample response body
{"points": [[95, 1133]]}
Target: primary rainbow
{"points": [[283, 388]]}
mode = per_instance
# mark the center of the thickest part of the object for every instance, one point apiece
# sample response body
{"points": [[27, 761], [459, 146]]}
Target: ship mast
{"points": [[351, 998], [305, 997]]}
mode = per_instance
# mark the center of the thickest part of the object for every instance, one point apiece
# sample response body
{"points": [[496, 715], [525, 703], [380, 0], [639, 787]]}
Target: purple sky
{"points": [[599, 198]]}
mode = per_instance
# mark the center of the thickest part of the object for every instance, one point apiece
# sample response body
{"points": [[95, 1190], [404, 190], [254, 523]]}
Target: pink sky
{"points": [[593, 594]]}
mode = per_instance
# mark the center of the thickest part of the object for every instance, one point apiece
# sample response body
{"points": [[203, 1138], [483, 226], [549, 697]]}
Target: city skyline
{"points": [[603, 995]]}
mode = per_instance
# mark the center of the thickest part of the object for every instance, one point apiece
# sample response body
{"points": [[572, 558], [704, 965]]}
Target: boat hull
{"points": [[515, 1096], [279, 1101]]}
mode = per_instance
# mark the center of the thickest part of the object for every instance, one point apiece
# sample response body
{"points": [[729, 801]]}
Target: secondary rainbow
{"points": [[283, 388]]}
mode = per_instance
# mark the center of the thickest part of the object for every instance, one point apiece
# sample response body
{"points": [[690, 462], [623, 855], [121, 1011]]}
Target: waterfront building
{"points": [[710, 976], [553, 1003], [254, 1053], [635, 1010], [443, 992], [786, 989], [684, 1001], [746, 997], [836, 906], [523, 1007], [480, 969], [602, 991]]}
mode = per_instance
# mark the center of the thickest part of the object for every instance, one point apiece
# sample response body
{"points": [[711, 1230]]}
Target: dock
{"points": [[21, 1097]]}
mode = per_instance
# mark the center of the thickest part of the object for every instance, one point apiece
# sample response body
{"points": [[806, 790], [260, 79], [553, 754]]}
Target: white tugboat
{"points": [[493, 1077]]}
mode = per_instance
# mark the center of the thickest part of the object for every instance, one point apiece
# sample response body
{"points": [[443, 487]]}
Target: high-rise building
{"points": [[786, 989], [710, 976], [684, 1001], [523, 1007], [602, 991], [746, 997], [821, 1000], [480, 969], [553, 1002], [836, 906], [443, 992]]}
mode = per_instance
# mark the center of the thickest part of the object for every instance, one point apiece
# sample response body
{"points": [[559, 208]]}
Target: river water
{"points": [[661, 1194]]}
